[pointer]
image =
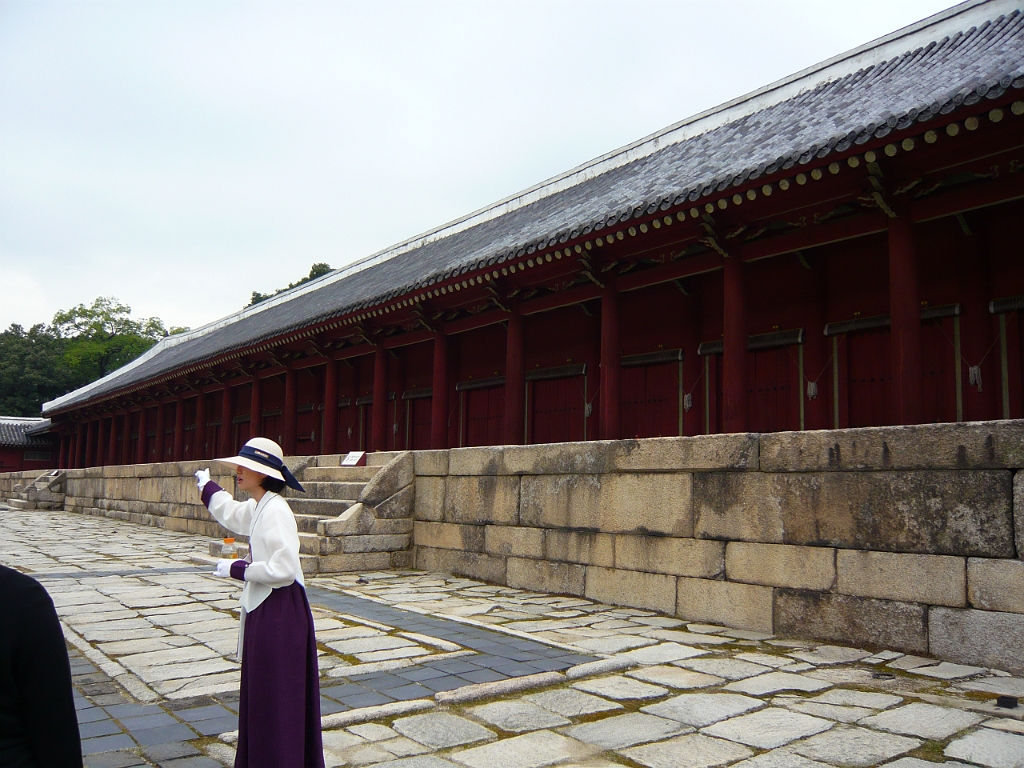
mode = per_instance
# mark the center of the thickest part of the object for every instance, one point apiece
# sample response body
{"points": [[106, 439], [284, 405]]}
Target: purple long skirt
{"points": [[279, 706]]}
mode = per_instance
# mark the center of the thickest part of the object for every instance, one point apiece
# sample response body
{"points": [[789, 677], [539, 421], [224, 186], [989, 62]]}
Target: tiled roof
{"points": [[14, 429], [951, 60]]}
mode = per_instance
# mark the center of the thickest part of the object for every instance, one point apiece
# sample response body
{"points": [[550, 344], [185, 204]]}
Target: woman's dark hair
{"points": [[272, 484]]}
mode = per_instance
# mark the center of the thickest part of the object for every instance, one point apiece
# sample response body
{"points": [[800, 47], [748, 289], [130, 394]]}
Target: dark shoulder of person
{"points": [[38, 726]]}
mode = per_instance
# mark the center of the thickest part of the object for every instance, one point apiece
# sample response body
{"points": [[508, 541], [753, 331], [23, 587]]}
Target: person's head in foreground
{"points": [[260, 467]]}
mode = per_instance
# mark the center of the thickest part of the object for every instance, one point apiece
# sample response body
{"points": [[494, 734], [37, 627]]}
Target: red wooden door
{"points": [[939, 370], [483, 416], [308, 422], [556, 410], [348, 428], [650, 400], [419, 423], [772, 404], [869, 378]]}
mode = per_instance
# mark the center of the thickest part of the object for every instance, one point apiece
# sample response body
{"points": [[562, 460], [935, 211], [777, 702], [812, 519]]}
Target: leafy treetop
{"points": [[317, 270]]}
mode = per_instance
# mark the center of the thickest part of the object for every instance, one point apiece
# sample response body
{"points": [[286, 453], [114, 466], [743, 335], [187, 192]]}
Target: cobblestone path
{"points": [[433, 671]]}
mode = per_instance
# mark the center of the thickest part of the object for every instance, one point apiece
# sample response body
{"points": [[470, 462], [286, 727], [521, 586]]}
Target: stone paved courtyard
{"points": [[432, 671]]}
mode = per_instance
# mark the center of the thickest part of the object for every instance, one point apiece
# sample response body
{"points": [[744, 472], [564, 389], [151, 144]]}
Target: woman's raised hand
{"points": [[202, 478]]}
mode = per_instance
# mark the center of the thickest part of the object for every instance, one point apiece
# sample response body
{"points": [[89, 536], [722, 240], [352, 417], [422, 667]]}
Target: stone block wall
{"points": [[899, 537]]}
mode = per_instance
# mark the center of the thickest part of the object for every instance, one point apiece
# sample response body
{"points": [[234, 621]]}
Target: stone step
{"points": [[308, 523], [324, 490], [320, 507], [21, 504], [309, 544], [380, 458], [339, 474]]}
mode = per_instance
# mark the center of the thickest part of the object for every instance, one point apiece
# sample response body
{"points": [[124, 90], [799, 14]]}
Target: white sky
{"points": [[179, 155]]}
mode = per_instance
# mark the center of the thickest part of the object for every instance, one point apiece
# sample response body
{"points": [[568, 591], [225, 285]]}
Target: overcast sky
{"points": [[179, 155]]}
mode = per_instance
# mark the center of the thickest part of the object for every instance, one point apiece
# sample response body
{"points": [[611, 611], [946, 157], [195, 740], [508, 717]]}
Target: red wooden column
{"points": [[439, 395], [161, 427], [140, 447], [379, 426], [256, 409], [179, 429], [200, 452], [65, 451], [734, 348], [515, 380], [79, 451], [976, 283], [226, 430], [905, 312], [291, 412], [611, 364], [330, 429], [112, 441]]}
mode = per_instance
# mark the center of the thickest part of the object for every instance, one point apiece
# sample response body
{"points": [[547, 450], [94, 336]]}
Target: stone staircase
{"points": [[339, 529], [45, 492]]}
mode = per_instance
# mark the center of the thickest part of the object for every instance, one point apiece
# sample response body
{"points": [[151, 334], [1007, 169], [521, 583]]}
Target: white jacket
{"points": [[273, 543]]}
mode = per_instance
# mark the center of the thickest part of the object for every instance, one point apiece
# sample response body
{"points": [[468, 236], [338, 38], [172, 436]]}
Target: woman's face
{"points": [[247, 480]]}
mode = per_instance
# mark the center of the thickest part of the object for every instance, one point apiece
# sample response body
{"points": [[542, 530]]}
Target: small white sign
{"points": [[354, 459]]}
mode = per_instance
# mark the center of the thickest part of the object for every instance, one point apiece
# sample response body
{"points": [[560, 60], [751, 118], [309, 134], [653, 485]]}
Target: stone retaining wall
{"points": [[901, 537]]}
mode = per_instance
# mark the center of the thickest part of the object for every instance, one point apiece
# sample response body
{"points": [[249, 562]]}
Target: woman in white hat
{"points": [[279, 705]]}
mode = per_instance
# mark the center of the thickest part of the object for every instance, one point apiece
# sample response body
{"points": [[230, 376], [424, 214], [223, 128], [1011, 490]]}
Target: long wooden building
{"points": [[844, 247]]}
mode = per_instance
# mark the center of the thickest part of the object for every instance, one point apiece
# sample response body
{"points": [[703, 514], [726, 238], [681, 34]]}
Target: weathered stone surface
{"points": [[846, 619], [932, 512], [703, 709], [440, 730], [639, 590], [556, 458], [476, 565], [449, 536], [396, 474], [626, 503], [692, 751], [1018, 512], [569, 702], [356, 519], [776, 682], [544, 576], [855, 747], [378, 543], [699, 558], [987, 638], [723, 602], [430, 463], [925, 720], [429, 504], [996, 585], [780, 565], [489, 460], [482, 500], [623, 731], [356, 561], [988, 747], [517, 716], [514, 540], [580, 547], [398, 505], [974, 445], [532, 750], [672, 454], [769, 728], [933, 579]]}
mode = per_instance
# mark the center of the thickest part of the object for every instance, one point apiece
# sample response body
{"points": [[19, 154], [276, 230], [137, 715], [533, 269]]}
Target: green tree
{"points": [[82, 344], [104, 336], [31, 370], [317, 270]]}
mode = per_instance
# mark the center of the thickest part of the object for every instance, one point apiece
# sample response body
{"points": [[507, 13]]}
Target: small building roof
{"points": [[951, 60], [24, 432]]}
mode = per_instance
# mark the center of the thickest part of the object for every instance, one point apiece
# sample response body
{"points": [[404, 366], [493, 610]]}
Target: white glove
{"points": [[202, 478], [223, 568]]}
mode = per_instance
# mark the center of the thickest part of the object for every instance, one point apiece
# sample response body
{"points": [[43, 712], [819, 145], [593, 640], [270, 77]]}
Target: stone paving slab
{"points": [[151, 650]]}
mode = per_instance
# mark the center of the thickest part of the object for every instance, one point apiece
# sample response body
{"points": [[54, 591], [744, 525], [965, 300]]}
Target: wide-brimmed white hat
{"points": [[266, 457]]}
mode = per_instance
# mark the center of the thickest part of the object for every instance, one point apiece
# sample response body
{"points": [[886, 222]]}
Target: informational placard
{"points": [[354, 459]]}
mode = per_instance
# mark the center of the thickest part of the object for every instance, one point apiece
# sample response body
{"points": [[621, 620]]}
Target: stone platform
{"points": [[427, 670]]}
